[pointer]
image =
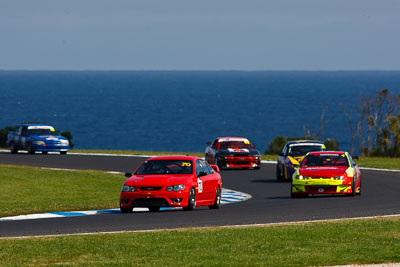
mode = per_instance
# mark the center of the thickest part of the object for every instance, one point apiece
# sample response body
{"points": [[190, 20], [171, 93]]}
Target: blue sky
{"points": [[200, 35]]}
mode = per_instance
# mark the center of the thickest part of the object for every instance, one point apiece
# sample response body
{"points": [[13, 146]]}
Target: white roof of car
{"points": [[227, 139]]}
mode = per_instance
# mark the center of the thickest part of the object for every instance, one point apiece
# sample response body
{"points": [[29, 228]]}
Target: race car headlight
{"points": [[338, 177], [301, 177], [175, 188], [64, 142], [39, 143], [127, 188]]}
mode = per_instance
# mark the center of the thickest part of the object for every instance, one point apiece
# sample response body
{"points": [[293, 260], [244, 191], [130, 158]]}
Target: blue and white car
{"points": [[37, 137]]}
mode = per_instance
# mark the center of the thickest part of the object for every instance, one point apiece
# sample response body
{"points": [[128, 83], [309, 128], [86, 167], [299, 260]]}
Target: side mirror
{"points": [[215, 167], [208, 143], [128, 174], [11, 132], [281, 154]]}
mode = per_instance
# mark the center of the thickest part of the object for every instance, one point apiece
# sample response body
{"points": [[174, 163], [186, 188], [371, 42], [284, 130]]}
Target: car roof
{"points": [[224, 139], [317, 153], [314, 142], [176, 157], [35, 124]]}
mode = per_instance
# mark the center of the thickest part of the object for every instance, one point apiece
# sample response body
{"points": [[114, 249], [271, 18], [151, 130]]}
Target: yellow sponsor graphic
{"points": [[293, 161], [186, 164]]}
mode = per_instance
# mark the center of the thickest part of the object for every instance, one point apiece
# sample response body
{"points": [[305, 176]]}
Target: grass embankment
{"points": [[313, 244], [27, 190]]}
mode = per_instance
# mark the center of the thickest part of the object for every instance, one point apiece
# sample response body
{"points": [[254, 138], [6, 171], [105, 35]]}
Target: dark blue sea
{"points": [[182, 110]]}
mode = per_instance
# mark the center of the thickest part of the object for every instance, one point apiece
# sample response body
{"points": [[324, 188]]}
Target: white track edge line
{"points": [[209, 227]]}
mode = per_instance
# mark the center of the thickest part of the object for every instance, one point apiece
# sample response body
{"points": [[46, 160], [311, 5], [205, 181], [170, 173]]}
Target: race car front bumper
{"points": [[239, 162], [50, 147], [320, 186], [160, 198]]}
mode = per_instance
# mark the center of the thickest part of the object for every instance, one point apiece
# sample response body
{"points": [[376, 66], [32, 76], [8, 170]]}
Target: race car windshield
{"points": [[325, 160], [41, 132], [166, 167], [235, 144], [297, 151]]}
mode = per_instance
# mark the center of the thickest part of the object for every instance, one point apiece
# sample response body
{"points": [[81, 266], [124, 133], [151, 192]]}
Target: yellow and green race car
{"points": [[326, 172]]}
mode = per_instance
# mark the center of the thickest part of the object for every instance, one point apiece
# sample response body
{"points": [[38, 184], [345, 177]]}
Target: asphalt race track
{"points": [[270, 202]]}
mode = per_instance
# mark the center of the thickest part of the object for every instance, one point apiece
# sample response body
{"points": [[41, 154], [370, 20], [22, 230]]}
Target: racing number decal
{"points": [[186, 164]]}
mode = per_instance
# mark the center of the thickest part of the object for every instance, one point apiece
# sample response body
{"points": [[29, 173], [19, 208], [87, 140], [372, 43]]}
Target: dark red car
{"points": [[232, 152]]}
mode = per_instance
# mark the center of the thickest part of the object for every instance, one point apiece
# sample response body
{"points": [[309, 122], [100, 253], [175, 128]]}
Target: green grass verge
{"points": [[312, 244], [27, 190], [379, 162]]}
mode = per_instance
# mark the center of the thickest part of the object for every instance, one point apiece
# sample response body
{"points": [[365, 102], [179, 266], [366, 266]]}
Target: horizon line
{"points": [[201, 70]]}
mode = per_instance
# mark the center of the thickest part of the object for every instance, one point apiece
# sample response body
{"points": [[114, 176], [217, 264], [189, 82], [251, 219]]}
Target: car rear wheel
{"points": [[154, 209], [217, 199], [191, 200], [126, 210]]}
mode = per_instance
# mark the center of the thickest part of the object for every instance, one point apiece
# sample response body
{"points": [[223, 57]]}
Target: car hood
{"points": [[158, 179], [323, 171]]}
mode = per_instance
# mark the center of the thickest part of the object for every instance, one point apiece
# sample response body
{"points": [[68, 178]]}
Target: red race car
{"points": [[326, 172], [232, 152], [172, 181]]}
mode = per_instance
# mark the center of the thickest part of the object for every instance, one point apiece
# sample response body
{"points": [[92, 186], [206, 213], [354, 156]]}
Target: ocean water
{"points": [[182, 110]]}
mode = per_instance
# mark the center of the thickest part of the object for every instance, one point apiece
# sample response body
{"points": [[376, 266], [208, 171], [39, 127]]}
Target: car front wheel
{"points": [[191, 200], [13, 148], [154, 209], [126, 210], [30, 149]]}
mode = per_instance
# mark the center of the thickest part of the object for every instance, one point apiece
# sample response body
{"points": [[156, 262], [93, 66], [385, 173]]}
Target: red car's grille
{"points": [[322, 189], [150, 202], [150, 188]]}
